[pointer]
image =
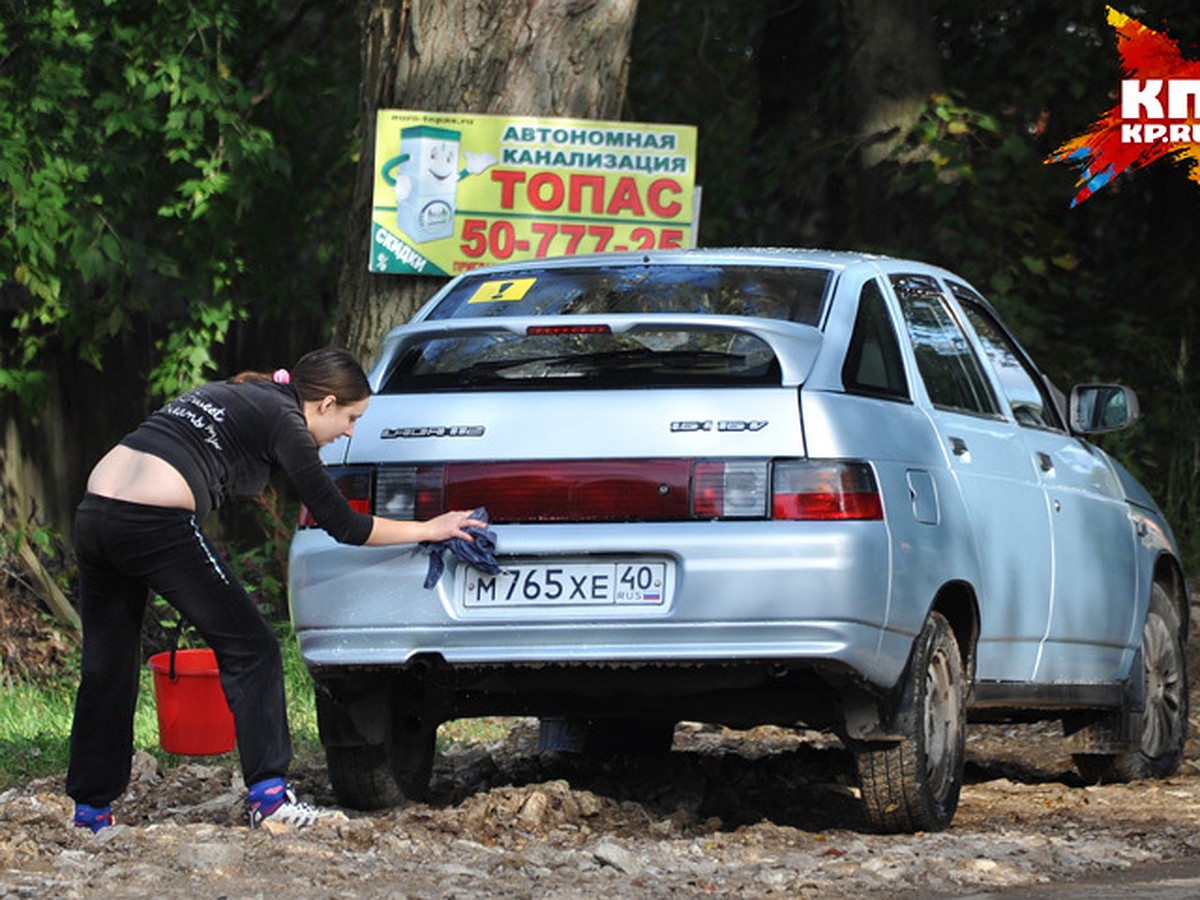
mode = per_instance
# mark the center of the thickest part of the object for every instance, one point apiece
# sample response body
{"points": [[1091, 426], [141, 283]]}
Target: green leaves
{"points": [[138, 164]]}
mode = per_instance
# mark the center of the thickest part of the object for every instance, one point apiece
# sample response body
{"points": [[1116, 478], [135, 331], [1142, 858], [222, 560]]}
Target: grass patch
{"points": [[465, 732], [35, 723]]}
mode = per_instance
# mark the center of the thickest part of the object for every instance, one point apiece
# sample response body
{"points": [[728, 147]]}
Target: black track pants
{"points": [[124, 549]]}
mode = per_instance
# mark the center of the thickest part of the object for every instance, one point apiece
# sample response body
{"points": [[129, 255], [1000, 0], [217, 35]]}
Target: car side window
{"points": [[952, 373], [874, 365], [1026, 392]]}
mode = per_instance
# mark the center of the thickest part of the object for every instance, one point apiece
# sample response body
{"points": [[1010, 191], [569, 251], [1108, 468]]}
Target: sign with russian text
{"points": [[457, 191]]}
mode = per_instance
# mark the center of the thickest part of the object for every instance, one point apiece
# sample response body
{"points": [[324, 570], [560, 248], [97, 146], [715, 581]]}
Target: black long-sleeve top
{"points": [[227, 440]]}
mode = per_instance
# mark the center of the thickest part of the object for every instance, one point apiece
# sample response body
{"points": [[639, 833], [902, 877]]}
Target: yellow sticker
{"points": [[502, 291]]}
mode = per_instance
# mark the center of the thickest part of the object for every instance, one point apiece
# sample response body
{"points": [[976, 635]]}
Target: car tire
{"points": [[1161, 730], [361, 776], [383, 757], [913, 784]]}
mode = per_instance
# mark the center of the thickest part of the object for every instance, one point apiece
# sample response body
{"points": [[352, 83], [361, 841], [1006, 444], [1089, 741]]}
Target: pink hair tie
{"points": [[282, 376]]}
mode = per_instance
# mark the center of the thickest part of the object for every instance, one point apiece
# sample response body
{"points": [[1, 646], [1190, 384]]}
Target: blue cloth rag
{"points": [[480, 553]]}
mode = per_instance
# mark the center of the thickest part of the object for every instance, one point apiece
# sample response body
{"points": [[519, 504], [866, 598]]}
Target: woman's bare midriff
{"points": [[136, 477]]}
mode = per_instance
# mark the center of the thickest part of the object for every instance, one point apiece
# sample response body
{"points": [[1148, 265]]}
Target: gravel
{"points": [[765, 813], [770, 812]]}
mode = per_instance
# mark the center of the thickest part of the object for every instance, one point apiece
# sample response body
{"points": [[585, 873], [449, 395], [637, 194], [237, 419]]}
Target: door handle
{"points": [[1045, 463], [959, 447]]}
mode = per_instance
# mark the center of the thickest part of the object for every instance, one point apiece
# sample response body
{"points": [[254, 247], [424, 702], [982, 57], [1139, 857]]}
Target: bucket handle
{"points": [[175, 647]]}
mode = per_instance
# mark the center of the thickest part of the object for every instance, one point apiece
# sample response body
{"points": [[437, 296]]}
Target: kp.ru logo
{"points": [[1159, 112]]}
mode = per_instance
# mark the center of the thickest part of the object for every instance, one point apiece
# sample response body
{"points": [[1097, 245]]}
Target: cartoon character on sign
{"points": [[426, 178]]}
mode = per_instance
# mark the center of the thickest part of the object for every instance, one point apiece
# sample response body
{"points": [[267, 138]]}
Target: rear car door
{"points": [[1010, 525], [1091, 626]]}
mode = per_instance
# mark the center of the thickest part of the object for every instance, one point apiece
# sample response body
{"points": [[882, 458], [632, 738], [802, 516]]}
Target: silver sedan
{"points": [[743, 487]]}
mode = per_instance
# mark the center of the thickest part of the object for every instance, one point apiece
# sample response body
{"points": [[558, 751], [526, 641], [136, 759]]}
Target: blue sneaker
{"points": [[272, 799], [93, 817]]}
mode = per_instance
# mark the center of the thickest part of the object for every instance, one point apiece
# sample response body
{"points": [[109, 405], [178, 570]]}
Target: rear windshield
{"points": [[649, 355], [643, 357], [791, 293]]}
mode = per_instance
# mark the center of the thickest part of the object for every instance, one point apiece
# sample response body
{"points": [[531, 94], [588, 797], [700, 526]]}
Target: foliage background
{"points": [[175, 182]]}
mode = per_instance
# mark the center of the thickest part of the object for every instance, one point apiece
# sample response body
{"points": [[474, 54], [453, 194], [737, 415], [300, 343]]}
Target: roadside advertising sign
{"points": [[457, 191]]}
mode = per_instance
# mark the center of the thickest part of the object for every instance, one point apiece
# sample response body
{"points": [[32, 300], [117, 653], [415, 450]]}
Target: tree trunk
{"points": [[523, 57], [892, 70]]}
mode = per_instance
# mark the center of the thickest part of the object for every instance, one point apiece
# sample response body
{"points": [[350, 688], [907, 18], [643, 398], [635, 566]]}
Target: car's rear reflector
{"points": [[825, 490], [572, 490]]}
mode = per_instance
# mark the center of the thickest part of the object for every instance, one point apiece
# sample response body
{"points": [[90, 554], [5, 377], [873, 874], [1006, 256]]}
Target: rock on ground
{"points": [[767, 813]]}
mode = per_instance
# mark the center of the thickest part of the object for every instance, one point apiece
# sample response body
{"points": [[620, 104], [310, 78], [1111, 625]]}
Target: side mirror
{"points": [[1096, 408]]}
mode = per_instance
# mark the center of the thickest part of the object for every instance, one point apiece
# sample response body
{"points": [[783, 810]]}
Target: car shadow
{"points": [[810, 789], [734, 782], [982, 771]]}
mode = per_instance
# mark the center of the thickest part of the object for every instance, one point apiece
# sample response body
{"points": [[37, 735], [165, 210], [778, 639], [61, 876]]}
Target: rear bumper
{"points": [[793, 592]]}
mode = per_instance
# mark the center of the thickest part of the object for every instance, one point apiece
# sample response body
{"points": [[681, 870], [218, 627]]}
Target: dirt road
{"points": [[767, 813], [745, 814]]}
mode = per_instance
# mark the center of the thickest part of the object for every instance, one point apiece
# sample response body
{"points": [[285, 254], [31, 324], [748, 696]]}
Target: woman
{"points": [[138, 528]]}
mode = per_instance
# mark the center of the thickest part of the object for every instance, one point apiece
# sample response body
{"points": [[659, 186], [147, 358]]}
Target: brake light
{"points": [[355, 484], [825, 490], [540, 330]]}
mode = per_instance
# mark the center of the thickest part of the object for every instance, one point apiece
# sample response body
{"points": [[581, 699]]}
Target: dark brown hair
{"points": [[319, 374]]}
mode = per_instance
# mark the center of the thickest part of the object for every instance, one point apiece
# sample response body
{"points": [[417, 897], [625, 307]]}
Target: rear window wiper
{"points": [[579, 364]]}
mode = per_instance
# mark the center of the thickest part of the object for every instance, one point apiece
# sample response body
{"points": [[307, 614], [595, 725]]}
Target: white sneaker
{"points": [[292, 814]]}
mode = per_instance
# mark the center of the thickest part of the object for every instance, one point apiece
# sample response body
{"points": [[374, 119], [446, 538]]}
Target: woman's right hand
{"points": [[440, 528]]}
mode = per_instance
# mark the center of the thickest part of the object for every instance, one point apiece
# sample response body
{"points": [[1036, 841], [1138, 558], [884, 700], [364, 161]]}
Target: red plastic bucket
{"points": [[193, 715]]}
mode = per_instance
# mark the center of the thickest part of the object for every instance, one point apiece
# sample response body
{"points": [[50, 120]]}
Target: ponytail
{"points": [[318, 375]]}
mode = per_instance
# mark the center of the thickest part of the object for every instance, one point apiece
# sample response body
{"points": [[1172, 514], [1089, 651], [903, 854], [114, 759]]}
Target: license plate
{"points": [[569, 584]]}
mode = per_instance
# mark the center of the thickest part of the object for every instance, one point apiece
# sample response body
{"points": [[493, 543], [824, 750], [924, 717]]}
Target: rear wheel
{"points": [[1161, 730], [913, 784], [378, 746], [361, 776]]}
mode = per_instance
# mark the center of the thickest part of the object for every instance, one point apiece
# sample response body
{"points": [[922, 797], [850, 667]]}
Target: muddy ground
{"points": [[765, 813]]}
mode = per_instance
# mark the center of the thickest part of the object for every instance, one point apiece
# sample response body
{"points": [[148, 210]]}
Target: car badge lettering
{"points": [[432, 431], [723, 425]]}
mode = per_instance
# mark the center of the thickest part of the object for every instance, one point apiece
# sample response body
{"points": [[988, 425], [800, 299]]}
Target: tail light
{"points": [[546, 491], [660, 490], [825, 490], [355, 484], [411, 492], [730, 490]]}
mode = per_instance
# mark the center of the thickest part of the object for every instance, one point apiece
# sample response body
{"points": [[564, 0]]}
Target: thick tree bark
{"points": [[522, 57], [892, 70]]}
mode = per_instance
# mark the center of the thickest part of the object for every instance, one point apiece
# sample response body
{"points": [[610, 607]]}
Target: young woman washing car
{"points": [[137, 529]]}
